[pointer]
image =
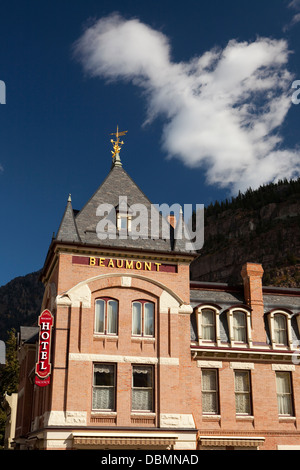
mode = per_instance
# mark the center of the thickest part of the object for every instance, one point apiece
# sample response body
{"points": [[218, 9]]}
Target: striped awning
{"points": [[121, 441], [220, 441]]}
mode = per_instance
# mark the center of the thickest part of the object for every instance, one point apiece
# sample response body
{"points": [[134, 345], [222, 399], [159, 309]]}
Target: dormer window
{"points": [[280, 329], [208, 325], [124, 216], [239, 323], [239, 326]]}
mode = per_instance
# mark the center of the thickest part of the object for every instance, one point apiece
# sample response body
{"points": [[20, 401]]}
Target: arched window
{"points": [[208, 327], [142, 318], [280, 329], [239, 324], [106, 316], [208, 324]]}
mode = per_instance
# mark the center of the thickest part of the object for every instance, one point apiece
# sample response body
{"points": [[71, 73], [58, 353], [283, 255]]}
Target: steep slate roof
{"points": [[28, 334], [80, 226], [68, 229]]}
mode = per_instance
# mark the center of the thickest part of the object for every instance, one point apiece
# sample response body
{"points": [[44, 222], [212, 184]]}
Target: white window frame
{"points": [[233, 341], [247, 393], [143, 315], [150, 389], [111, 387], [215, 392], [288, 319], [106, 301], [283, 395], [201, 340]]}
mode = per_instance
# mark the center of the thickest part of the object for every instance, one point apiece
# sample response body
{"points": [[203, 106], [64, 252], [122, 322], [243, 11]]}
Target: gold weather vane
{"points": [[116, 143]]}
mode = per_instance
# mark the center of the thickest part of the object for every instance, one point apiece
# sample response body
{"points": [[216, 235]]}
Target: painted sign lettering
{"points": [[120, 263]]}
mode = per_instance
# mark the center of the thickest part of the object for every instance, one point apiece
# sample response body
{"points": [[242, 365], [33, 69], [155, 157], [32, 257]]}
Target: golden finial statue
{"points": [[116, 143]]}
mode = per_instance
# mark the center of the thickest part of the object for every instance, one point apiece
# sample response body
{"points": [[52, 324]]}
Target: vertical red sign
{"points": [[43, 366]]}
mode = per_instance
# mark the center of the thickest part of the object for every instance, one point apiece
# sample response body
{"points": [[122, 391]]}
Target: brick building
{"points": [[143, 358]]}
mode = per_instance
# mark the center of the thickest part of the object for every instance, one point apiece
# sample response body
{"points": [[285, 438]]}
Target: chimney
{"points": [[172, 220], [252, 274]]}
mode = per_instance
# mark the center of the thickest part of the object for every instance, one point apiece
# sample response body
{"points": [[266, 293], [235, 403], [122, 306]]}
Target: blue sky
{"points": [[203, 88]]}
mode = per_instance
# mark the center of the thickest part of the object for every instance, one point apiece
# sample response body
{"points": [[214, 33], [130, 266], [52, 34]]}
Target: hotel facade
{"points": [[129, 353]]}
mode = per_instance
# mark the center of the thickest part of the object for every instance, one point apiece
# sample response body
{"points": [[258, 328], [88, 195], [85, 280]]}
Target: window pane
{"points": [[142, 400], [284, 393], [280, 329], [123, 223], [142, 376], [208, 325], [142, 391], [243, 404], [99, 316], [239, 326], [242, 382], [104, 387], [242, 392], [136, 318], [103, 398], [112, 316], [209, 391], [103, 375], [149, 319]]}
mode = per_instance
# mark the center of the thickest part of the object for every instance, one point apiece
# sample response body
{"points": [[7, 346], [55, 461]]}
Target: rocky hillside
{"points": [[20, 303], [261, 226]]}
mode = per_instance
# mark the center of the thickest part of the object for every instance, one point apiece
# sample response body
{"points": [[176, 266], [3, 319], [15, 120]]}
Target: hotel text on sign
{"points": [[43, 366]]}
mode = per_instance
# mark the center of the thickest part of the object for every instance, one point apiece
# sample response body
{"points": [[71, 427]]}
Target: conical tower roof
{"points": [[68, 229], [153, 233]]}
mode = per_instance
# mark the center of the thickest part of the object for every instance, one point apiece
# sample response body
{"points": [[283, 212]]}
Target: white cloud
{"points": [[295, 5], [223, 109]]}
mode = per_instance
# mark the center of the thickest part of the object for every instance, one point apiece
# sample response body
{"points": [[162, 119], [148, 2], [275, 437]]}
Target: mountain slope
{"points": [[261, 226], [20, 303]]}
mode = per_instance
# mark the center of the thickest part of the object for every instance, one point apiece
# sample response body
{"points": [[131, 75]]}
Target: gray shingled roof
{"points": [[80, 226], [68, 228], [29, 334]]}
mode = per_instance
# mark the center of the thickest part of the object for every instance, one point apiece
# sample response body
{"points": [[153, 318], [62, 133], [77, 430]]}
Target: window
{"points": [[280, 329], [142, 388], [284, 393], [104, 387], [239, 324], [143, 318], [239, 327], [242, 392], [124, 217], [210, 394], [208, 325], [106, 316], [280, 326], [123, 223]]}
